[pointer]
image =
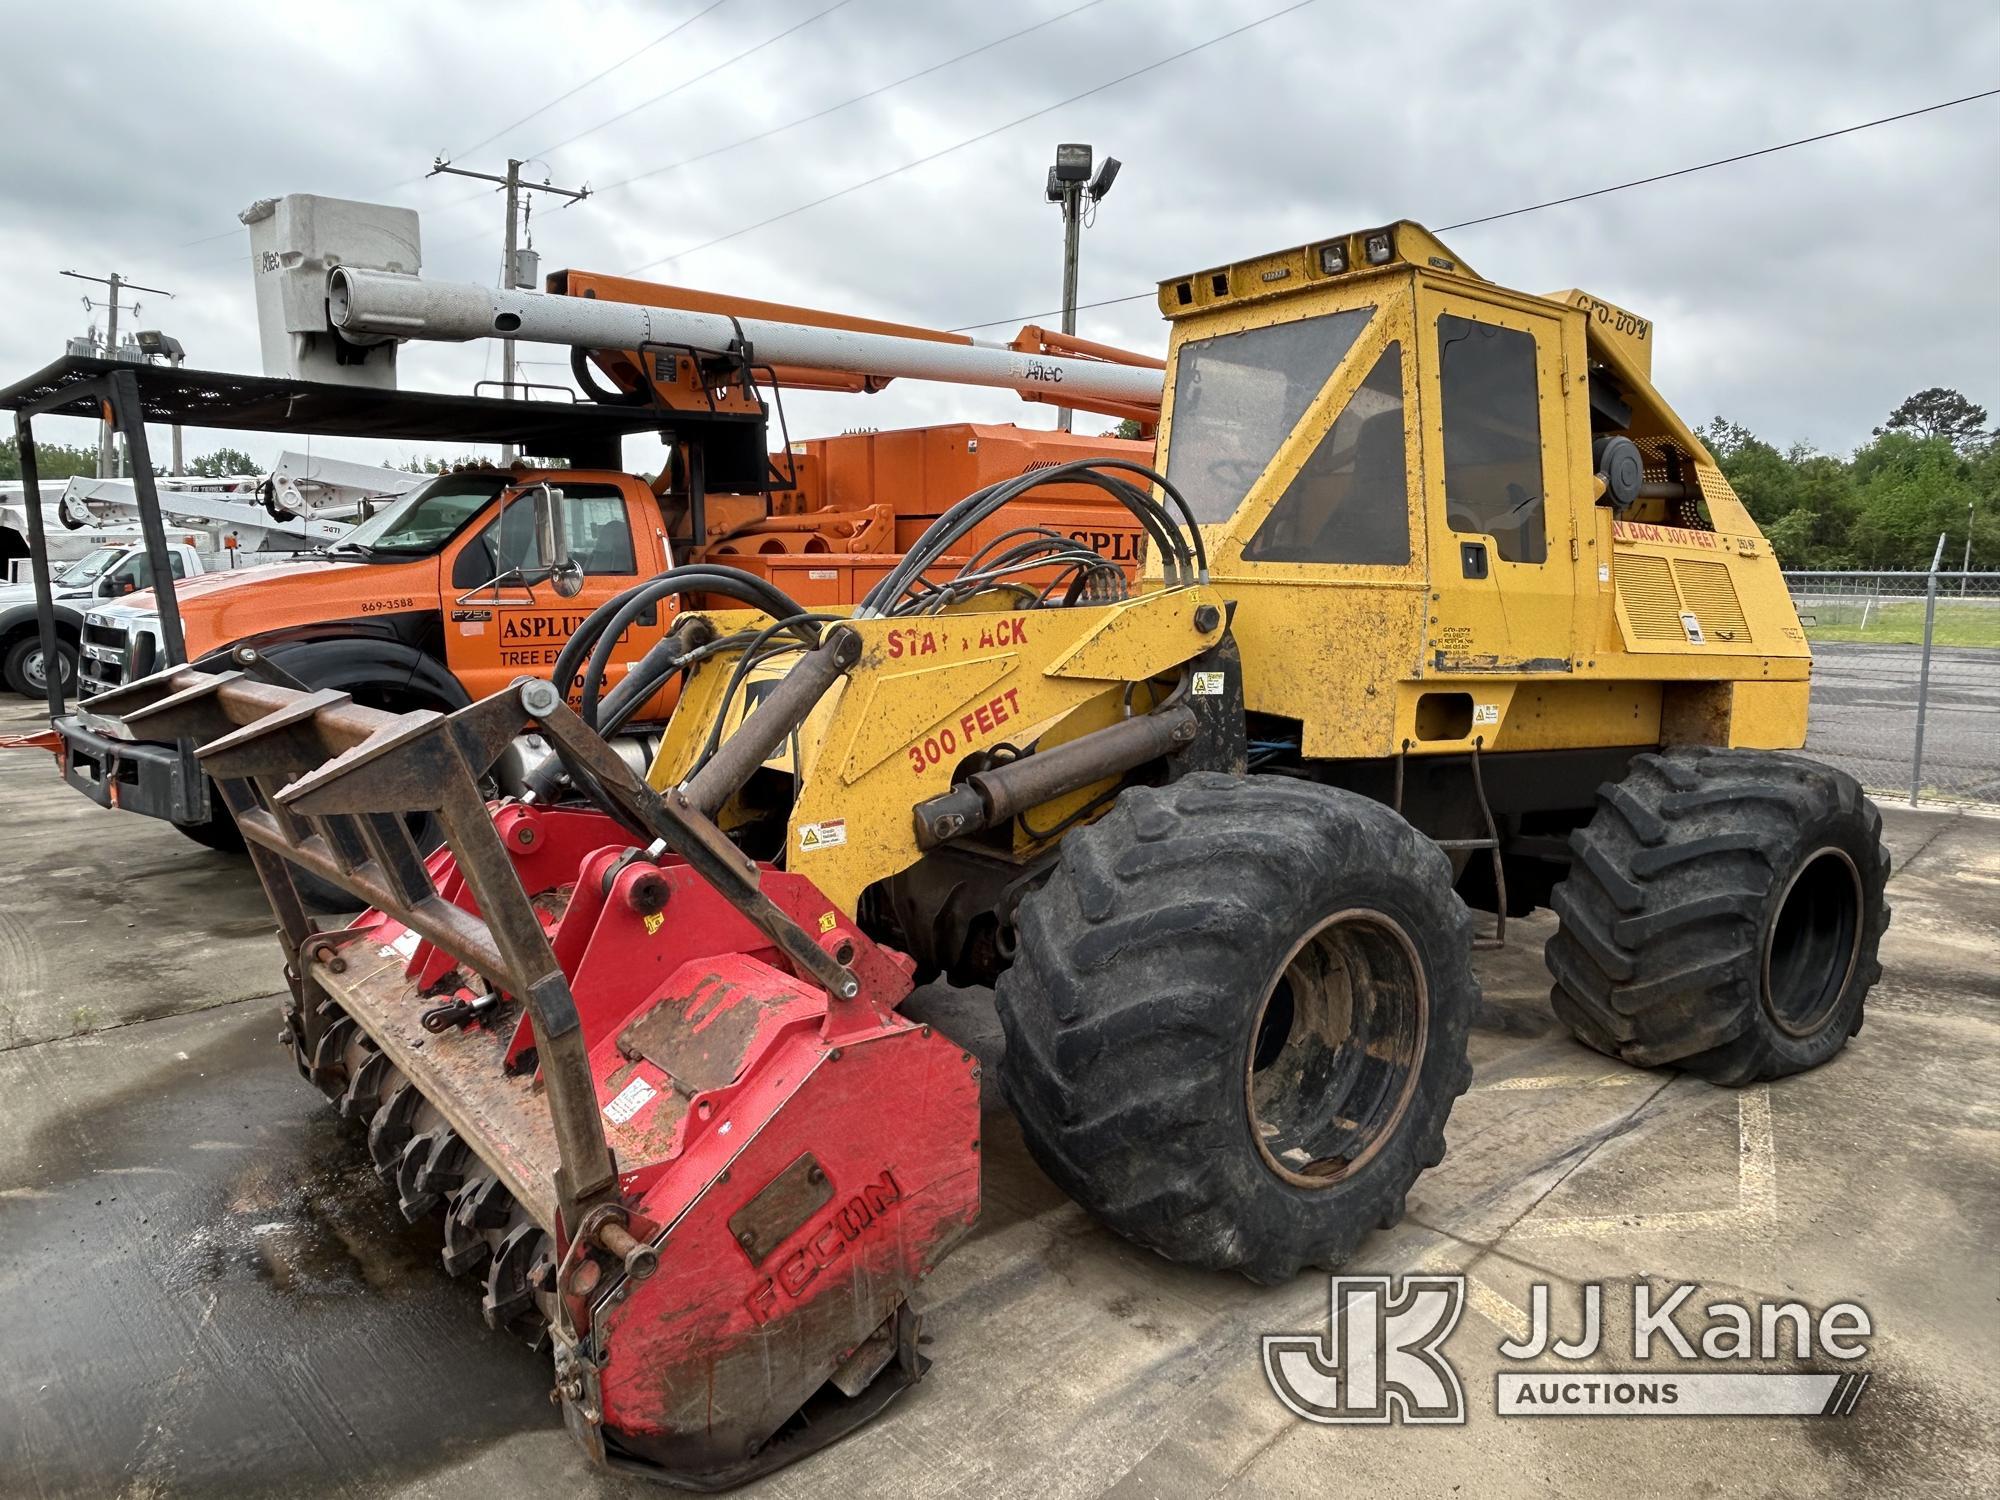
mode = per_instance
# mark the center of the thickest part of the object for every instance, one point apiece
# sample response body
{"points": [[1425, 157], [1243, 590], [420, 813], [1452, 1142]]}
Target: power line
{"points": [[976, 139], [668, 35], [820, 114], [1618, 187], [690, 82], [1723, 161], [764, 135]]}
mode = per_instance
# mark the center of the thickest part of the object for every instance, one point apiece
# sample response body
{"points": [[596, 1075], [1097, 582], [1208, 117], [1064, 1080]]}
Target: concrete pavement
{"points": [[208, 1292]]}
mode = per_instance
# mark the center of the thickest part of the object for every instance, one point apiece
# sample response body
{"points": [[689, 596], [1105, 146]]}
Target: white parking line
{"points": [[1756, 1189]]}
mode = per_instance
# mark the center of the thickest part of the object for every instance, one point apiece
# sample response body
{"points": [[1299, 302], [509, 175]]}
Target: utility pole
{"points": [[1071, 185], [516, 267], [117, 283]]}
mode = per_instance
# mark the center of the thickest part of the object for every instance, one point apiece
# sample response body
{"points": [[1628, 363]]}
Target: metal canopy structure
{"points": [[584, 433], [729, 447]]}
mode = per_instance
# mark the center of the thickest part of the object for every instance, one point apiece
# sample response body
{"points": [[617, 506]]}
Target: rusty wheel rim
{"points": [[1813, 943], [1336, 1048]]}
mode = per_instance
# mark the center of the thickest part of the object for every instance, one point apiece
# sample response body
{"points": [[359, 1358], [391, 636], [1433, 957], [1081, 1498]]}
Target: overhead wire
{"points": [[1617, 187], [686, 83], [974, 140], [631, 57], [876, 92]]}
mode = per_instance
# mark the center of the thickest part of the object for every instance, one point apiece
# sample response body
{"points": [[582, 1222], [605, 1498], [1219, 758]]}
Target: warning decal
{"points": [[823, 835], [634, 1097]]}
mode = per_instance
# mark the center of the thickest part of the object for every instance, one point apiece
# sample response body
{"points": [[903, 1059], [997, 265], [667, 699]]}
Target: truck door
{"points": [[1495, 444], [496, 630], [135, 574]]}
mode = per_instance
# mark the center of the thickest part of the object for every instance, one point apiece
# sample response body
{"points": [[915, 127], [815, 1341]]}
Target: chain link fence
{"points": [[1906, 680]]}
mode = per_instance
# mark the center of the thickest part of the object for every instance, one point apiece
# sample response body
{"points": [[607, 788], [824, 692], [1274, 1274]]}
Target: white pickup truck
{"points": [[114, 568]]}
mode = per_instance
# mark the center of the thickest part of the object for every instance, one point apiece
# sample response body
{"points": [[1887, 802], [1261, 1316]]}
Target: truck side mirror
{"points": [[565, 573]]}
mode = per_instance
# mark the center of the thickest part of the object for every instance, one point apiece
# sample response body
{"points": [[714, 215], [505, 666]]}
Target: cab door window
{"points": [[136, 573], [1350, 501], [1492, 437], [1238, 396], [597, 527]]}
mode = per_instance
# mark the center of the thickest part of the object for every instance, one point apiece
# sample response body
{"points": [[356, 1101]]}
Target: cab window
{"points": [[597, 527], [1237, 396], [1350, 503], [1492, 437], [423, 520], [136, 573]]}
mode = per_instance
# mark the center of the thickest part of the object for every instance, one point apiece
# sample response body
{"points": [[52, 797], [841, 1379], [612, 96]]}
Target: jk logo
{"points": [[1380, 1357]]}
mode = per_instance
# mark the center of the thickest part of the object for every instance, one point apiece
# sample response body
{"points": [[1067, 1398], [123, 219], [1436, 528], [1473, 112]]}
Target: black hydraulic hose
{"points": [[734, 582], [709, 578], [639, 601], [757, 651], [579, 366], [1181, 554], [662, 660]]}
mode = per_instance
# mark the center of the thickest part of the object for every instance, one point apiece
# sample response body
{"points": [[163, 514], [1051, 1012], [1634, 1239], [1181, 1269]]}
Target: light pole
{"points": [[106, 467], [1072, 186]]}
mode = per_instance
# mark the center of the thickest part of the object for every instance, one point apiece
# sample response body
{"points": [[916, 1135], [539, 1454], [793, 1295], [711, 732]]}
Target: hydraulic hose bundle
{"points": [[1183, 558], [1079, 570]]}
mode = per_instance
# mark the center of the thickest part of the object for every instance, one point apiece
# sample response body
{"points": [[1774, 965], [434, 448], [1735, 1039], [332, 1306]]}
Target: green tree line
{"points": [[1932, 467]]}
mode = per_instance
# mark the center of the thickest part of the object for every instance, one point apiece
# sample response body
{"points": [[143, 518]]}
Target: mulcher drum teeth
{"points": [[770, 1096], [432, 1169]]}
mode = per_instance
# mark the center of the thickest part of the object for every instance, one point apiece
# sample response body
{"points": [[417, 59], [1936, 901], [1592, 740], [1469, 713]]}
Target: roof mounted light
{"points": [[1333, 258], [1379, 248], [1073, 162]]}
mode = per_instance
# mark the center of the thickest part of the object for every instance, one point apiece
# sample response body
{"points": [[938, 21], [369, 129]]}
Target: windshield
{"points": [[426, 518], [90, 566], [1238, 396]]}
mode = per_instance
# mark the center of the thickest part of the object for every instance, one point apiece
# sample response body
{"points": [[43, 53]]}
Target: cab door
{"points": [[1495, 443], [496, 630]]}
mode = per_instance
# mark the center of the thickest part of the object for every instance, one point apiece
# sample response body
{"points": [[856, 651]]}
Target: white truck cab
{"points": [[117, 566]]}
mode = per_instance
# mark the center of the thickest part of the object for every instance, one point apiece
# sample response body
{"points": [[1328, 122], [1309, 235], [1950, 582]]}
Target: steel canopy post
{"points": [[38, 558], [130, 419]]}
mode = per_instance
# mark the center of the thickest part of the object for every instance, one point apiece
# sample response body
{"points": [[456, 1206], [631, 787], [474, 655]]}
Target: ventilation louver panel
{"points": [[1709, 592], [1646, 589]]}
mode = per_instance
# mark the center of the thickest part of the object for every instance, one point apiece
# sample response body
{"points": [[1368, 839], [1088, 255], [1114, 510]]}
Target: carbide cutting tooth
{"points": [[391, 1129], [330, 1053], [481, 1205], [484, 1204], [410, 1198], [442, 1169], [510, 1304], [375, 1077]]}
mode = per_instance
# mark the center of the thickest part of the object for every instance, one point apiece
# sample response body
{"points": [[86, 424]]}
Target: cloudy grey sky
{"points": [[1803, 294]]}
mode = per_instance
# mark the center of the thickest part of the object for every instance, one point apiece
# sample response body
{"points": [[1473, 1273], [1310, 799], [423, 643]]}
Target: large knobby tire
{"points": [[219, 833], [1237, 1019], [1722, 915]]}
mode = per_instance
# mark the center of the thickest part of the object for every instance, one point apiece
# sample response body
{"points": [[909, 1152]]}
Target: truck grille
{"points": [[116, 651]]}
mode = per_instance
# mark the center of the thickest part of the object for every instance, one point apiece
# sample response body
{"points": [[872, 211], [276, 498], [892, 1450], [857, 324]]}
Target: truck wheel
{"points": [[23, 667], [1238, 1017], [1722, 914], [219, 832]]}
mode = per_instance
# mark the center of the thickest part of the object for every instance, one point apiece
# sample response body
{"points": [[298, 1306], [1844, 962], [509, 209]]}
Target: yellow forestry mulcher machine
{"points": [[1445, 609]]}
